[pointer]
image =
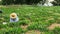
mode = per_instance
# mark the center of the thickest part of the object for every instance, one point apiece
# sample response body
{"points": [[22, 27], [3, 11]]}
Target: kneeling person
{"points": [[14, 17]]}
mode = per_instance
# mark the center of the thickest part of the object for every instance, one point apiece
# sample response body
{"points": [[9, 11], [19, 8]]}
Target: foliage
{"points": [[8, 2], [35, 17], [15, 30], [39, 26], [56, 2], [55, 31]]}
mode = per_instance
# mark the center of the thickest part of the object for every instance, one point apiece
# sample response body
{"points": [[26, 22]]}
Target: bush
{"points": [[56, 3], [0, 2], [7, 2]]}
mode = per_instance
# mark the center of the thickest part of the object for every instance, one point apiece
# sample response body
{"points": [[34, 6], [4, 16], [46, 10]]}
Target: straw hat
{"points": [[13, 15]]}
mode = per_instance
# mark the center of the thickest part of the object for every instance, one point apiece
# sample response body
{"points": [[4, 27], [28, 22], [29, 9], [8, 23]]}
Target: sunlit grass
{"points": [[35, 17]]}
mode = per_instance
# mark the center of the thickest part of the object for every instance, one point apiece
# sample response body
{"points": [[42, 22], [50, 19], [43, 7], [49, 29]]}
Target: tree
{"points": [[56, 2], [7, 2], [30, 2]]}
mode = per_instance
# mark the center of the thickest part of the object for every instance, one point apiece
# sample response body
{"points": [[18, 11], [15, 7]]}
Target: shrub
{"points": [[7, 2], [56, 3]]}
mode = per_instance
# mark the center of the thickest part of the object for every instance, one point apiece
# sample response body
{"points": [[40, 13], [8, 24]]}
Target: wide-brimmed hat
{"points": [[13, 15]]}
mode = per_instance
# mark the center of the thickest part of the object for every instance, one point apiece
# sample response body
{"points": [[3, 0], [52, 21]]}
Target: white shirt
{"points": [[14, 20]]}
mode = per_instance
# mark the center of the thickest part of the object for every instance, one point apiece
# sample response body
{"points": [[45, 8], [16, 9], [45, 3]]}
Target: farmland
{"points": [[32, 20]]}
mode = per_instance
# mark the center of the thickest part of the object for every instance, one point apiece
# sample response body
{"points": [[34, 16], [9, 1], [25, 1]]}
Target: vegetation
{"points": [[56, 2], [34, 17], [29, 2], [8, 2]]}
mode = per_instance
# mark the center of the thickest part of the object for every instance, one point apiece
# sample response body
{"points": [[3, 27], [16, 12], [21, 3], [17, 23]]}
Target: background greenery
{"points": [[29, 2], [8, 2]]}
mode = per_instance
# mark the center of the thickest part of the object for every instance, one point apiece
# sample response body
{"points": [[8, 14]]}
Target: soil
{"points": [[51, 27], [33, 32], [24, 26]]}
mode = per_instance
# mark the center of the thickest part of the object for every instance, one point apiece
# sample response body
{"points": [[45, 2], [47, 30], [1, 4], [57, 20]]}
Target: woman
{"points": [[14, 17]]}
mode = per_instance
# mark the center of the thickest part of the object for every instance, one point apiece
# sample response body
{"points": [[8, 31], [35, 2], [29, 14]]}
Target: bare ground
{"points": [[51, 27], [24, 26], [33, 32]]}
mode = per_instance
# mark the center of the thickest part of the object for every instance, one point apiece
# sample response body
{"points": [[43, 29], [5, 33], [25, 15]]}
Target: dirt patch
{"points": [[33, 32], [51, 27], [24, 26]]}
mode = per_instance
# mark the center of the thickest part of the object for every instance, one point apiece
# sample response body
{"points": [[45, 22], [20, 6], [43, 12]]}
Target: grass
{"points": [[35, 17]]}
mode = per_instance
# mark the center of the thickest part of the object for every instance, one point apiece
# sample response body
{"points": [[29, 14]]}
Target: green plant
{"points": [[39, 26], [37, 18], [15, 30], [56, 30]]}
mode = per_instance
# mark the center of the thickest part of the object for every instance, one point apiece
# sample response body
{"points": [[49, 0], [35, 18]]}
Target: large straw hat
{"points": [[13, 15]]}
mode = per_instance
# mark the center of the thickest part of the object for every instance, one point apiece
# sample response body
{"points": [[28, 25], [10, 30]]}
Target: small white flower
{"points": [[4, 23]]}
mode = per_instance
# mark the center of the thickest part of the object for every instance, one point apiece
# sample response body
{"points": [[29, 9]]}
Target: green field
{"points": [[32, 19]]}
